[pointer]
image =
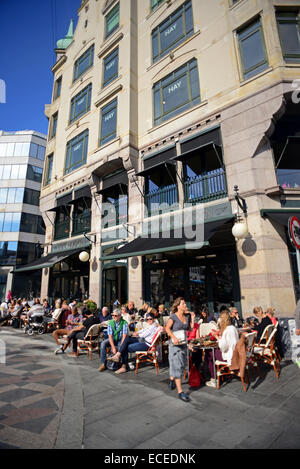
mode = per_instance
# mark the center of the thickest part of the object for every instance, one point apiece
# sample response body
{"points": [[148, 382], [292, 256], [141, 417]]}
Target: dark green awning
{"points": [[46, 261], [280, 215]]}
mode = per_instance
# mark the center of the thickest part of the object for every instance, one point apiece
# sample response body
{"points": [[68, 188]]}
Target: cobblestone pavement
{"points": [[54, 401]]}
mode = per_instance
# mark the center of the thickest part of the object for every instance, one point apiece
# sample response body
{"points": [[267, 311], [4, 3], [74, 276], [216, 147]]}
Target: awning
{"points": [[120, 178], [157, 159], [46, 261], [280, 215], [62, 202], [143, 246]]}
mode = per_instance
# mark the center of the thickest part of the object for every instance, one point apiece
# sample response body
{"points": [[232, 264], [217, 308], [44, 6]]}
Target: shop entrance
{"points": [[114, 286]]}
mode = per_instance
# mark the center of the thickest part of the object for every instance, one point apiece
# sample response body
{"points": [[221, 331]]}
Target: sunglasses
{"points": [[115, 315], [149, 319]]}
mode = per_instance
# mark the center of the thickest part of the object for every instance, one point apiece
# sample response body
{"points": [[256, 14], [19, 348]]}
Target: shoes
{"points": [[102, 367], [183, 397], [172, 384], [211, 383], [60, 349]]}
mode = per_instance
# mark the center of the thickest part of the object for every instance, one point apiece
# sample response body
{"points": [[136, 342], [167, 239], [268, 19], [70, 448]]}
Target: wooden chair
{"points": [[267, 352], [91, 340], [223, 369], [150, 355]]}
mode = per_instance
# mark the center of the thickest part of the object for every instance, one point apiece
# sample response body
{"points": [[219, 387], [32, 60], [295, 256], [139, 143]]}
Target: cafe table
{"points": [[205, 345]]}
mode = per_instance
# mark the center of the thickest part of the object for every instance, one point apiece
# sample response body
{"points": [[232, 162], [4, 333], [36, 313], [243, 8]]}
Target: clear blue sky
{"points": [[29, 30]]}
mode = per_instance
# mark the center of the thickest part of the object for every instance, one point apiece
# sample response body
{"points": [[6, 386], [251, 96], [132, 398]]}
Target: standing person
{"points": [[9, 296], [180, 320]]}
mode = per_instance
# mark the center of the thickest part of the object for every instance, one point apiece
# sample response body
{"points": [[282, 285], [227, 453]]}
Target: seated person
{"points": [[270, 312], [234, 317], [143, 309], [129, 318], [36, 309], [141, 340], [104, 316], [132, 310], [117, 339], [227, 339], [263, 321], [205, 317], [72, 321], [79, 332]]}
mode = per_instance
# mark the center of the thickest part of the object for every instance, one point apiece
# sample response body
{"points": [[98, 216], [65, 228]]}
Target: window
{"points": [[173, 31], [53, 125], [112, 21], [13, 171], [155, 3], [83, 63], [27, 252], [34, 173], [8, 252], [177, 92], [252, 50], [11, 195], [82, 216], [76, 152], [62, 223], [289, 34], [48, 173], [109, 122], [32, 197], [37, 151], [32, 223], [81, 103], [57, 88], [111, 65], [10, 222]]}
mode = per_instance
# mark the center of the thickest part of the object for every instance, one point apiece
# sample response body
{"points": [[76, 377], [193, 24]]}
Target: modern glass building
{"points": [[22, 229]]}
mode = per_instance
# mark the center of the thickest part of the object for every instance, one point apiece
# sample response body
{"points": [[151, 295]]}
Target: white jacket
{"points": [[228, 342]]}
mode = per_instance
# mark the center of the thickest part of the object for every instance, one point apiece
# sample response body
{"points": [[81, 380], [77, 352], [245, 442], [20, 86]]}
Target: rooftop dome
{"points": [[64, 43]]}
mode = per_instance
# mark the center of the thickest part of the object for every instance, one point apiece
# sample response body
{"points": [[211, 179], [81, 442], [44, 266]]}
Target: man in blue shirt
{"points": [[117, 332]]}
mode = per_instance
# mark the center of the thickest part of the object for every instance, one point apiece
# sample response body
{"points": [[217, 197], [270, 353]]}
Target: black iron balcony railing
{"points": [[61, 230], [205, 188], [82, 223], [161, 200], [115, 213]]}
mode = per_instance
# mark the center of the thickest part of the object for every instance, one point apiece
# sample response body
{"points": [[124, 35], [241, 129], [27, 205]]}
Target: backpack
{"points": [[111, 365]]}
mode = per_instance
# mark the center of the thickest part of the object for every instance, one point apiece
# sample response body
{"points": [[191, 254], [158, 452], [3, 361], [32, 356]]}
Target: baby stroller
{"points": [[35, 325]]}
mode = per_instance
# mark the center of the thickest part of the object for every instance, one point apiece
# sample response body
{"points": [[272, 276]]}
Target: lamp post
{"points": [[240, 227]]}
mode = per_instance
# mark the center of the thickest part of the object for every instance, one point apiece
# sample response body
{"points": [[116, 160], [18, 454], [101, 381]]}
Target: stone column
{"points": [[94, 284], [49, 218], [263, 258]]}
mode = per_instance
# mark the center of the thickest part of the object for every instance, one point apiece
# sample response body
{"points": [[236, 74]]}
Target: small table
{"points": [[207, 347]]}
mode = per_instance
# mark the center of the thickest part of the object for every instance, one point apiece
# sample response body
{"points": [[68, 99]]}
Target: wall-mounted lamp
{"points": [[240, 227], [84, 256]]}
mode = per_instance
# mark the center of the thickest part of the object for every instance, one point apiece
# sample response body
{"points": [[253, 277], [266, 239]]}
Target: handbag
{"points": [[111, 365], [181, 335], [195, 377]]}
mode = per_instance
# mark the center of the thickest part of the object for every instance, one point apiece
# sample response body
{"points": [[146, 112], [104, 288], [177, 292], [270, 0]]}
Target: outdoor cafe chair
{"points": [[223, 369], [267, 352], [150, 355], [91, 340]]}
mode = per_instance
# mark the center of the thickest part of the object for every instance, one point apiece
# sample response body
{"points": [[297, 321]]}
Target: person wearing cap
{"points": [[141, 341]]}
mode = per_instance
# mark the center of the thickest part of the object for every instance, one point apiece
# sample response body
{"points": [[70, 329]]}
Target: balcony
{"points": [[116, 213], [82, 223], [161, 200], [61, 230], [205, 188]]}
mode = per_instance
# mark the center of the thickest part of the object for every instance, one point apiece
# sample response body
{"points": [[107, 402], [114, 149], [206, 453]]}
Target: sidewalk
{"points": [[54, 401]]}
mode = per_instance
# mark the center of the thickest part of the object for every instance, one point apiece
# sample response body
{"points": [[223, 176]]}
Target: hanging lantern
{"points": [[84, 256], [240, 229]]}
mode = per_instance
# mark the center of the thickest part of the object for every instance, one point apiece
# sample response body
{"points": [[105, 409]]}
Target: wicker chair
{"points": [[91, 340], [267, 352], [150, 355]]}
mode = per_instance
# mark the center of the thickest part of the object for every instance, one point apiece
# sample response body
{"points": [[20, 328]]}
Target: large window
{"points": [[22, 149], [11, 195], [13, 171], [252, 49], [109, 122], [289, 34], [37, 151], [8, 252], [32, 224], [82, 216], [10, 222], [32, 197], [84, 62], [174, 30], [34, 173], [177, 92], [110, 65], [77, 152], [62, 223], [112, 20], [48, 172], [81, 103]]}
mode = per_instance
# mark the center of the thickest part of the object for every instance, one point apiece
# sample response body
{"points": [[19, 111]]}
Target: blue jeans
{"points": [[122, 348], [136, 346]]}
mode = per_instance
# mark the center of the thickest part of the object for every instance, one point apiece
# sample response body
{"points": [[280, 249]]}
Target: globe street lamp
{"points": [[240, 227]]}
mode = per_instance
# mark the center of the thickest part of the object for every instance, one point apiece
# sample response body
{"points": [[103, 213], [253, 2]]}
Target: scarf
{"points": [[117, 331]]}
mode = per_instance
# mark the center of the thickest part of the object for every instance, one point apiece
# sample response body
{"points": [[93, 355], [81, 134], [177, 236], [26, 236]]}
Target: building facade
{"points": [[159, 109], [22, 230]]}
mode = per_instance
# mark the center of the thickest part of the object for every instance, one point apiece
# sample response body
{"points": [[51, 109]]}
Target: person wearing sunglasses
{"points": [[117, 332]]}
